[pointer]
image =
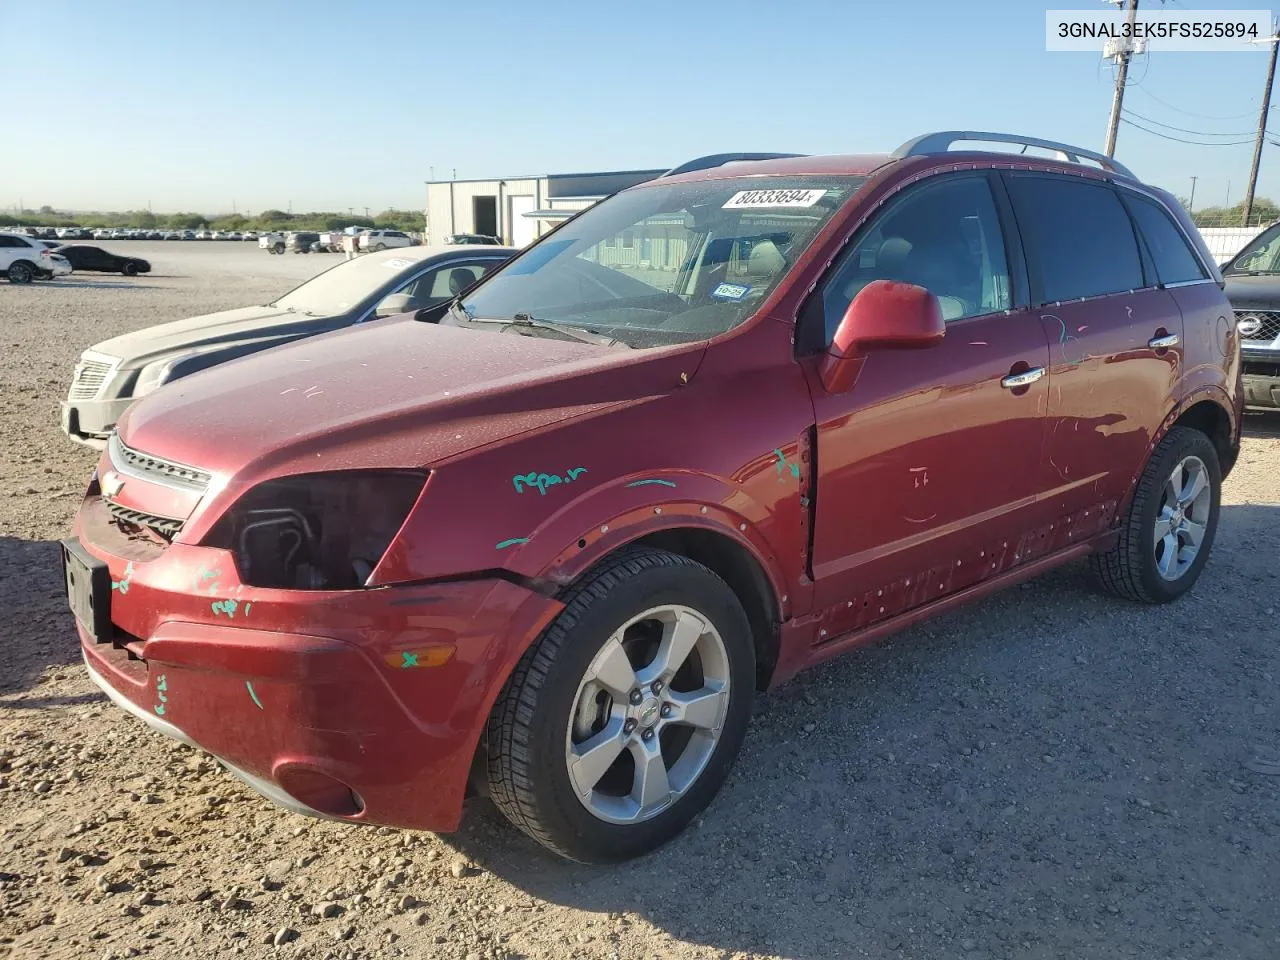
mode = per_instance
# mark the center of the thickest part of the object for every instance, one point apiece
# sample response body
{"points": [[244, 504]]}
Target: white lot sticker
{"points": [[397, 263], [774, 198], [730, 291]]}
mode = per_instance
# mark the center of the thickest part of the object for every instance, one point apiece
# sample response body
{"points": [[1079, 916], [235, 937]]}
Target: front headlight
{"points": [[153, 375], [318, 531]]}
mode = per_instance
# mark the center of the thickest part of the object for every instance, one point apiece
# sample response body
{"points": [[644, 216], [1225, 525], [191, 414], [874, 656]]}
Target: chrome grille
{"points": [[167, 527], [88, 379], [1268, 325], [156, 469]]}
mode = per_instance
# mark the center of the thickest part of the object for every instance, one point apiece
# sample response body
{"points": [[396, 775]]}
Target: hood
{"points": [[211, 330], [1253, 293], [391, 393]]}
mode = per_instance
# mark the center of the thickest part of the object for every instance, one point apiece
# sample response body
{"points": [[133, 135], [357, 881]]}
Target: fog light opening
{"points": [[319, 791]]}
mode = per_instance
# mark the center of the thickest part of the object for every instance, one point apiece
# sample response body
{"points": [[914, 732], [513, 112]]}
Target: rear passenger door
{"points": [[1115, 344]]}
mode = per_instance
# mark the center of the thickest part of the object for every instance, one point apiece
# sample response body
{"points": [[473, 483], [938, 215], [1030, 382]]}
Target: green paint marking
{"points": [[410, 659], [224, 606], [511, 543], [123, 583], [159, 709], [782, 462], [249, 686], [651, 483], [163, 698], [246, 608], [162, 683]]}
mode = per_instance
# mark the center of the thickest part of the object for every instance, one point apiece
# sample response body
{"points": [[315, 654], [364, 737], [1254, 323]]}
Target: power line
{"points": [[1197, 143], [1198, 133], [1192, 113]]}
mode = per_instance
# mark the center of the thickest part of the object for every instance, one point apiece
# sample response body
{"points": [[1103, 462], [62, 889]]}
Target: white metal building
{"points": [[519, 209]]}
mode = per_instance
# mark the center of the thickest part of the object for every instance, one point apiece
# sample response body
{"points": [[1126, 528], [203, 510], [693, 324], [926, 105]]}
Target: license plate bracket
{"points": [[88, 583]]}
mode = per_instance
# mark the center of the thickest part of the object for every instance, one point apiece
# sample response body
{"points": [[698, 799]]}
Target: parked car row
{"points": [[545, 533], [303, 241], [130, 233]]}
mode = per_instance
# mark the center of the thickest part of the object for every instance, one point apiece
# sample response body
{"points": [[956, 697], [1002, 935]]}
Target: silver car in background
{"points": [[115, 372]]}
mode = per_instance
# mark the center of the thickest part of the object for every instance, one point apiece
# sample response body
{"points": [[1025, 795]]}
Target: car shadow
{"points": [[937, 789], [97, 284], [1262, 423], [40, 634]]}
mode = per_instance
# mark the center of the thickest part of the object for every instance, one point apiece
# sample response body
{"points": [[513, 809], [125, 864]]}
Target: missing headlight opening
{"points": [[323, 531]]}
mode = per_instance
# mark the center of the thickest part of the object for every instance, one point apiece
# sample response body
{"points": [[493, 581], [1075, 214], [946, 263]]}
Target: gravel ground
{"points": [[1046, 774]]}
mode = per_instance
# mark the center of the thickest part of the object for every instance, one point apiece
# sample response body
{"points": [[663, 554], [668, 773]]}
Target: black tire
{"points": [[1129, 570], [130, 269], [530, 720], [21, 272], [379, 247], [278, 248]]}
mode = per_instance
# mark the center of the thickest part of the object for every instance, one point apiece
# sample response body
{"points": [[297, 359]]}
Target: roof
{"points": [[850, 165]]}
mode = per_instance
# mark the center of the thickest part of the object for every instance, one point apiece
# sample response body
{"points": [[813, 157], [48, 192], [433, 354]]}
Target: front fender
{"points": [[576, 537]]}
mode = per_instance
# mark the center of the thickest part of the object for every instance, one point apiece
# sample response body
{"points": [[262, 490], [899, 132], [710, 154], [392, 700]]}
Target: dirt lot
{"points": [[1047, 774]]}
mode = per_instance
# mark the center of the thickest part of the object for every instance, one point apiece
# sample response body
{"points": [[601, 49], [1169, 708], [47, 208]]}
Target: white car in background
{"points": [[23, 259], [382, 239]]}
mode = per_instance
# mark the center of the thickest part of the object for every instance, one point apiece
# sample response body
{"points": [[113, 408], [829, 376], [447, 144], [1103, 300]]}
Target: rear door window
{"points": [[1078, 236], [1175, 262]]}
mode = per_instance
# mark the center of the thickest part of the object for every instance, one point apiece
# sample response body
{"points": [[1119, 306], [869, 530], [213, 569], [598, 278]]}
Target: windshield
{"points": [[343, 287], [666, 263], [1260, 255]]}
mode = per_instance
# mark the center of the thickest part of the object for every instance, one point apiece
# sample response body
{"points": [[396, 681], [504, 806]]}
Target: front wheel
{"points": [[621, 723], [1165, 540], [278, 248], [379, 247], [130, 270], [20, 272]]}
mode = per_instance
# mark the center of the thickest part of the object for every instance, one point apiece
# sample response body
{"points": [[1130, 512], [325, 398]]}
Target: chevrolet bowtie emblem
{"points": [[112, 484]]}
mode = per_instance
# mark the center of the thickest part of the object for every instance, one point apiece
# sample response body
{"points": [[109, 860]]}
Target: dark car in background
{"points": [[84, 257], [471, 238], [1253, 287], [113, 373]]}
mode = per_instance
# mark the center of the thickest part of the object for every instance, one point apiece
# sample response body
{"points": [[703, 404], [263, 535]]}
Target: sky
{"points": [[210, 105]]}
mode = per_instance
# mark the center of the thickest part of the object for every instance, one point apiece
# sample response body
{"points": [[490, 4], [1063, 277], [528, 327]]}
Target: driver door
{"points": [[929, 465]]}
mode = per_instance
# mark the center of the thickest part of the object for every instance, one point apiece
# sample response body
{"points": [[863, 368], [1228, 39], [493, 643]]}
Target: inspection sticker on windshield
{"points": [[397, 262], [730, 291], [774, 198]]}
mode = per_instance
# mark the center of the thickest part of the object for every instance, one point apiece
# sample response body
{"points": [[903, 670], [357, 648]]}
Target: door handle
{"points": [[1024, 379], [1165, 342]]}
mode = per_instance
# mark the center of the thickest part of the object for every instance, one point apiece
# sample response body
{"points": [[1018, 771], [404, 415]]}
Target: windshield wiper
{"points": [[567, 330]]}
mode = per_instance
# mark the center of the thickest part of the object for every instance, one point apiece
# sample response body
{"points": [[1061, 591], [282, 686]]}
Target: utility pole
{"points": [[1122, 77], [1262, 126], [1191, 204]]}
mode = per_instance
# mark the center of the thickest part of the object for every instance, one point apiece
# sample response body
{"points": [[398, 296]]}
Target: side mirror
{"points": [[392, 304], [885, 313]]}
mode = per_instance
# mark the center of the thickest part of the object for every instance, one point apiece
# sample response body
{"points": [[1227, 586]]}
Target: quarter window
{"points": [[1078, 237], [942, 236], [1174, 259]]}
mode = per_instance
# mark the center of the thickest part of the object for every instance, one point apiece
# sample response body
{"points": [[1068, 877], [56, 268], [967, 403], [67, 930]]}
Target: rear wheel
{"points": [[1165, 540], [379, 246], [278, 248], [621, 723], [20, 272]]}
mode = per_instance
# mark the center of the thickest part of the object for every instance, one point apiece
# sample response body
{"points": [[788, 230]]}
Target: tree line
{"points": [[412, 221], [1264, 211]]}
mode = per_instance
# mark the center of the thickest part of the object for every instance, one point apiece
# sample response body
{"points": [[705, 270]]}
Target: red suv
{"points": [[548, 541]]}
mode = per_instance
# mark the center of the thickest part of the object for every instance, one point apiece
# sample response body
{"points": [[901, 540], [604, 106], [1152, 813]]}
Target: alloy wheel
{"points": [[648, 714], [1182, 518]]}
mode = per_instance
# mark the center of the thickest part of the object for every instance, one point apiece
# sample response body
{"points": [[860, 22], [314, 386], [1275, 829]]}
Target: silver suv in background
{"points": [[1253, 287], [115, 372]]}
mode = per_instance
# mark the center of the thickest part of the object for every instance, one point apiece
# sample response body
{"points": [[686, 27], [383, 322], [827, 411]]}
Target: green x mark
{"points": [[410, 659]]}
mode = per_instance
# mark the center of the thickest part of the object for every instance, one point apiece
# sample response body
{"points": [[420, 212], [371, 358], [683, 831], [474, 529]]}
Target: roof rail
{"points": [[940, 142], [720, 159]]}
